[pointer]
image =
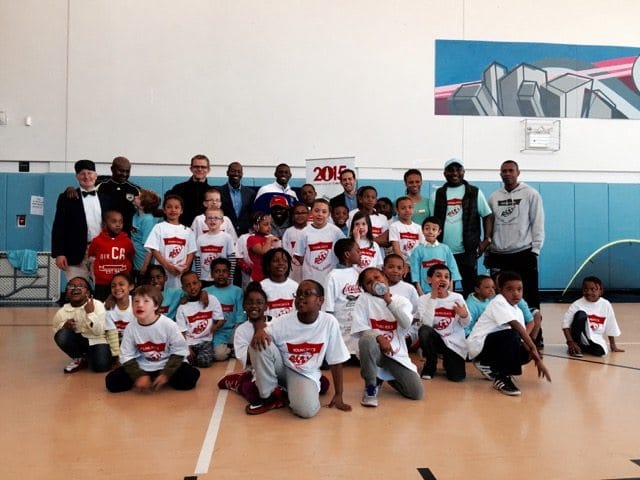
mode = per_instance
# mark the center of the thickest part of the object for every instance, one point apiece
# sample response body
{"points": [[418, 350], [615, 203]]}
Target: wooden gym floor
{"points": [[583, 425]]}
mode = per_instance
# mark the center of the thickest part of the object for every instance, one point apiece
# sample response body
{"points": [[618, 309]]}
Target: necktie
{"points": [[92, 192]]}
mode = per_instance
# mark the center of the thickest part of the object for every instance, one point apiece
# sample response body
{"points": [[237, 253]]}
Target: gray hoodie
{"points": [[519, 220]]}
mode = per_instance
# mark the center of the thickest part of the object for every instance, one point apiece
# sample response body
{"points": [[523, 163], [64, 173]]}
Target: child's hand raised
{"points": [[89, 307], [461, 310]]}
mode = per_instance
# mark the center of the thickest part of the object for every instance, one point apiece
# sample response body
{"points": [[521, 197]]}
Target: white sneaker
{"points": [[370, 396], [75, 365]]}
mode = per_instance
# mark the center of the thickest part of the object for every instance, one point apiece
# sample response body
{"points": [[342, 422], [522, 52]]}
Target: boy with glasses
{"points": [[289, 351]]}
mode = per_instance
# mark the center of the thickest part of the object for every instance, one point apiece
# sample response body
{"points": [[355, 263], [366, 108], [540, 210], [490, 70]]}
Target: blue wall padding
{"points": [[580, 218]]}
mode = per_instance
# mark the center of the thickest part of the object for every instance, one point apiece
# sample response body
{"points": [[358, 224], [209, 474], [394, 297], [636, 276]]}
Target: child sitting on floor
{"points": [[588, 320], [444, 316], [153, 351]]}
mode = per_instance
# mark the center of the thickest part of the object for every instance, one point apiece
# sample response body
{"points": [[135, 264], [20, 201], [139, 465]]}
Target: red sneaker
{"points": [[233, 381], [276, 400]]}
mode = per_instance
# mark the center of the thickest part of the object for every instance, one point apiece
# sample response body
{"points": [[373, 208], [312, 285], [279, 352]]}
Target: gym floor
{"points": [[583, 425]]}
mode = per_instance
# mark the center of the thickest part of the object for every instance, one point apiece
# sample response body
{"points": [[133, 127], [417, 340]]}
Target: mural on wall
{"points": [[536, 80]]}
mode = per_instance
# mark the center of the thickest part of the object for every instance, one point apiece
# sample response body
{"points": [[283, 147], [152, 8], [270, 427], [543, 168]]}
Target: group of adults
{"points": [[508, 228]]}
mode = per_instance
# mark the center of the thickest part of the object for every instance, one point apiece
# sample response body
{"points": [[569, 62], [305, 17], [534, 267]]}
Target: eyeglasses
{"points": [[306, 294], [71, 288], [213, 218]]}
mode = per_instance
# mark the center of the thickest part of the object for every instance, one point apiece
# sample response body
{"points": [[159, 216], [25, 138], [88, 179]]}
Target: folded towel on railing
{"points": [[24, 260]]}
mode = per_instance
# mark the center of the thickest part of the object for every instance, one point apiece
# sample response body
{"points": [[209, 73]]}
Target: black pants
{"points": [[468, 266], [579, 335], [77, 346], [432, 344], [524, 263], [185, 378], [504, 352]]}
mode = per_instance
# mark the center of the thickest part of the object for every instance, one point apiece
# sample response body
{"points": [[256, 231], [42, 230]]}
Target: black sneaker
{"points": [[505, 385], [425, 374]]}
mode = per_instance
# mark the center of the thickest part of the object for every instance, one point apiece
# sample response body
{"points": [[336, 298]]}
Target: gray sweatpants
{"points": [[406, 381], [304, 396]]}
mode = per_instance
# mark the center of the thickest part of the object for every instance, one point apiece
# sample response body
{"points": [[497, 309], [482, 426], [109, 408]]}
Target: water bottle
{"points": [[380, 289]]}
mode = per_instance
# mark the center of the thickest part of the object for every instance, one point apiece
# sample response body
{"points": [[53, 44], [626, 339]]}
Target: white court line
{"points": [[206, 452]]}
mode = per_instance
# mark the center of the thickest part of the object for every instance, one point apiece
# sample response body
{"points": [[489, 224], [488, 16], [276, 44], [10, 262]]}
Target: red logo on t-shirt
{"points": [[199, 321], [445, 316], [301, 353], [431, 262], [388, 327], [152, 351], [279, 303], [595, 322], [121, 325]]}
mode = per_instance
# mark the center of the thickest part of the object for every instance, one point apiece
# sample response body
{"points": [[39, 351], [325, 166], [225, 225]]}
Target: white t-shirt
{"points": [[340, 295], [173, 242], [379, 223], [600, 317], [407, 236], [195, 320], [372, 313], [280, 296], [305, 346], [370, 254], [210, 247], [152, 345], [495, 317], [116, 319], [316, 247], [199, 227], [440, 314]]}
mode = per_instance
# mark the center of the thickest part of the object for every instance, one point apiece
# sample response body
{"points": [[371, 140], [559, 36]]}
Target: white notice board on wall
{"points": [[324, 174]]}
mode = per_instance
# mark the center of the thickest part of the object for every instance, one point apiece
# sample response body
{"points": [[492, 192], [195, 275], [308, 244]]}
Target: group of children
{"points": [[341, 287]]}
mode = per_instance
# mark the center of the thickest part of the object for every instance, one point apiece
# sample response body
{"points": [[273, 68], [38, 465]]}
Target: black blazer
{"points": [[337, 201], [69, 230], [247, 195]]}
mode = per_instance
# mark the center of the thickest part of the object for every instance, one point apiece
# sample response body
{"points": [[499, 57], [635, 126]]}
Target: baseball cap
{"points": [[453, 161], [278, 201], [84, 165]]}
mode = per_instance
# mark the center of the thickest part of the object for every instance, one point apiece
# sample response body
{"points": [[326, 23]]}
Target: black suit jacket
{"points": [[337, 201], [242, 222], [69, 230]]}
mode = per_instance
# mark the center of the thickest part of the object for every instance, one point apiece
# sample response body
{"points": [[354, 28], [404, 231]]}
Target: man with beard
{"points": [[460, 207]]}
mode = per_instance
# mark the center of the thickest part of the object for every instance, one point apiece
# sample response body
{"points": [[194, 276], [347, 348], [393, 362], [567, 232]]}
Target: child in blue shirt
{"points": [[230, 298], [431, 253]]}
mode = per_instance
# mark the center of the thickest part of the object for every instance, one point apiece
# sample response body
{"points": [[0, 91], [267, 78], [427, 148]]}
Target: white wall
{"points": [[271, 81]]}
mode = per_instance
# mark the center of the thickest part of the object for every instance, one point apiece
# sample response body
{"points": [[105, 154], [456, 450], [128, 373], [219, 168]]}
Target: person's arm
{"points": [[536, 217], [487, 227], [395, 246], [533, 351], [337, 401], [612, 345], [403, 317], [382, 239], [571, 344]]}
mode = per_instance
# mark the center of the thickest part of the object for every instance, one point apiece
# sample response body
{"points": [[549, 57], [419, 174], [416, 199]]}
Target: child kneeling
{"points": [[153, 351]]}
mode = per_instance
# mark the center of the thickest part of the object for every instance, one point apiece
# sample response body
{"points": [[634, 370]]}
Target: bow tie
{"points": [[92, 192]]}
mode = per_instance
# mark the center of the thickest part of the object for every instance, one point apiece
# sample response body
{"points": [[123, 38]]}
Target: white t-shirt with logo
{"points": [[196, 320], [372, 313], [315, 245], [440, 314], [600, 317], [305, 346], [152, 345], [407, 236], [280, 296], [340, 295], [173, 242]]}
